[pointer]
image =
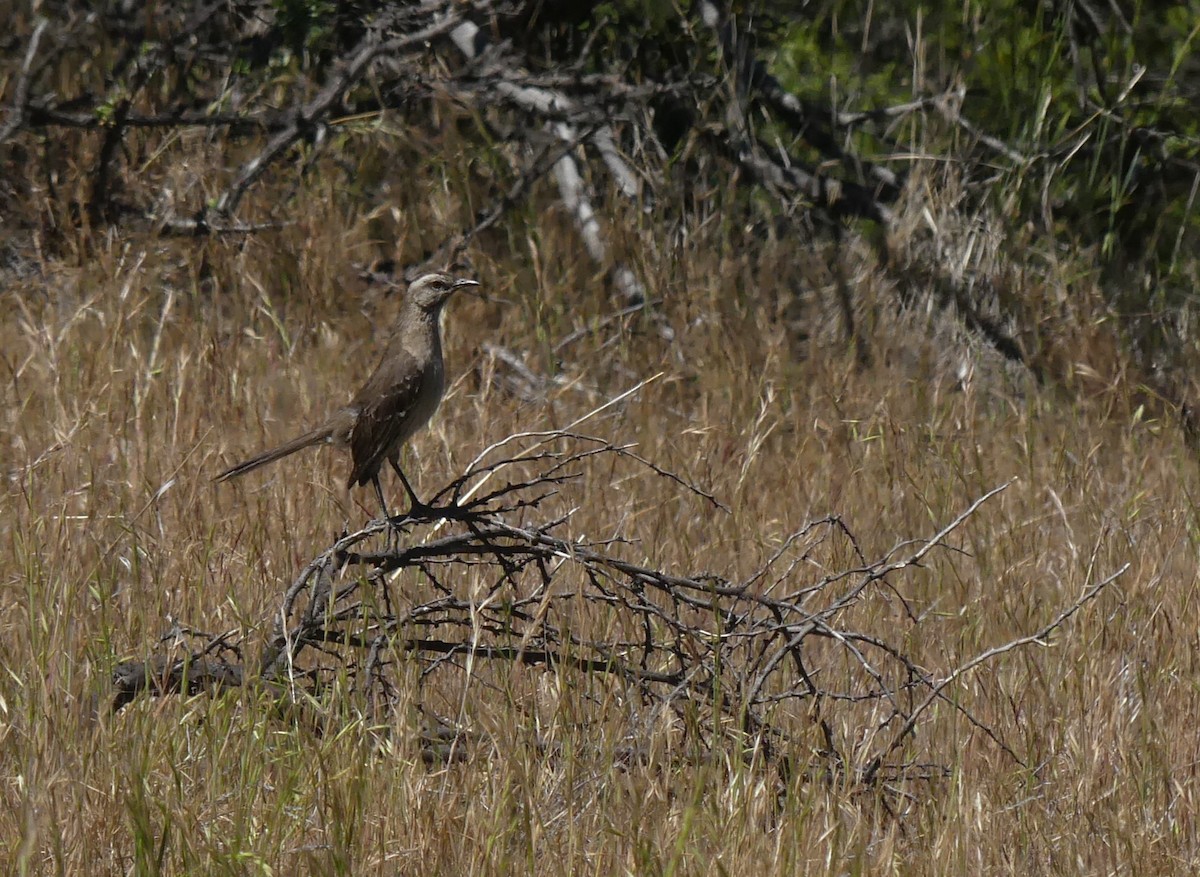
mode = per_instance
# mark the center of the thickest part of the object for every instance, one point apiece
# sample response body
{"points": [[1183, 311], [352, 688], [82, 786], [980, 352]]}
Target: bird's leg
{"points": [[386, 514], [417, 505], [382, 502]]}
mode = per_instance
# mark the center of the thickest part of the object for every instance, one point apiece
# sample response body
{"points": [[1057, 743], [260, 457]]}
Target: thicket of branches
{"points": [[779, 663]]}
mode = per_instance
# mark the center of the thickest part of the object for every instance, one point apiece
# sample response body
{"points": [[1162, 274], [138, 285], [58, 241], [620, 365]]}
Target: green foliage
{"points": [[305, 24], [812, 64], [1100, 108]]}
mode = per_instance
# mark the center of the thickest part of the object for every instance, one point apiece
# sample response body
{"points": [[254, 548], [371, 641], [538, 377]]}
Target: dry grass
{"points": [[136, 367]]}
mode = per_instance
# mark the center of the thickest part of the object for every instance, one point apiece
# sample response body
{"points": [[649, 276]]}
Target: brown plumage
{"points": [[397, 400]]}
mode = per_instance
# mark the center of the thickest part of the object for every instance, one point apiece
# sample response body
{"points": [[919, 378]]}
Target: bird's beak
{"points": [[465, 284]]}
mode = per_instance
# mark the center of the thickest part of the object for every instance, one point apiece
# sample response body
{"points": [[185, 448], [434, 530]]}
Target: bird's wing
{"points": [[384, 405]]}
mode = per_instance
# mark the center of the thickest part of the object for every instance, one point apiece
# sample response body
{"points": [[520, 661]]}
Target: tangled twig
{"points": [[490, 577]]}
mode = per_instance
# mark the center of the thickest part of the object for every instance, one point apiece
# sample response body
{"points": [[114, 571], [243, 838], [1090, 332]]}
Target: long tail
{"points": [[315, 437]]}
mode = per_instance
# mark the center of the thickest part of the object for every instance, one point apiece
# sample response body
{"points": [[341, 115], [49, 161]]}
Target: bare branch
{"points": [[936, 689], [496, 578], [17, 107], [309, 118]]}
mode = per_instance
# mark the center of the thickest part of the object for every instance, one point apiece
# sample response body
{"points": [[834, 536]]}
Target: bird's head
{"points": [[430, 291]]}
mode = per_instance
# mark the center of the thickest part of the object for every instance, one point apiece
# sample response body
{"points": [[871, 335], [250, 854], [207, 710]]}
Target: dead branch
{"points": [[494, 576], [471, 41], [17, 107], [309, 118]]}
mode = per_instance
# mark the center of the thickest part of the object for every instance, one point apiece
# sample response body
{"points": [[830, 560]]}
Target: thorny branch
{"points": [[495, 577]]}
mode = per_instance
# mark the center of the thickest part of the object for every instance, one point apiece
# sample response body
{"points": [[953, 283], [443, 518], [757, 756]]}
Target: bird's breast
{"points": [[429, 396]]}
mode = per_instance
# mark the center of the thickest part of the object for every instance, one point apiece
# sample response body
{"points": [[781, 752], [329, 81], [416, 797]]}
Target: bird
{"points": [[398, 399]]}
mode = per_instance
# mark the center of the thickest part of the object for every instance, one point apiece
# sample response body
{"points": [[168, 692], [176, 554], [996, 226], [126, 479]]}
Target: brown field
{"points": [[137, 367]]}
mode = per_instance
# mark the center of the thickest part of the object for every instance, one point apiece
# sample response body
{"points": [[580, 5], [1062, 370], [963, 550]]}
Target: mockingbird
{"points": [[395, 402]]}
